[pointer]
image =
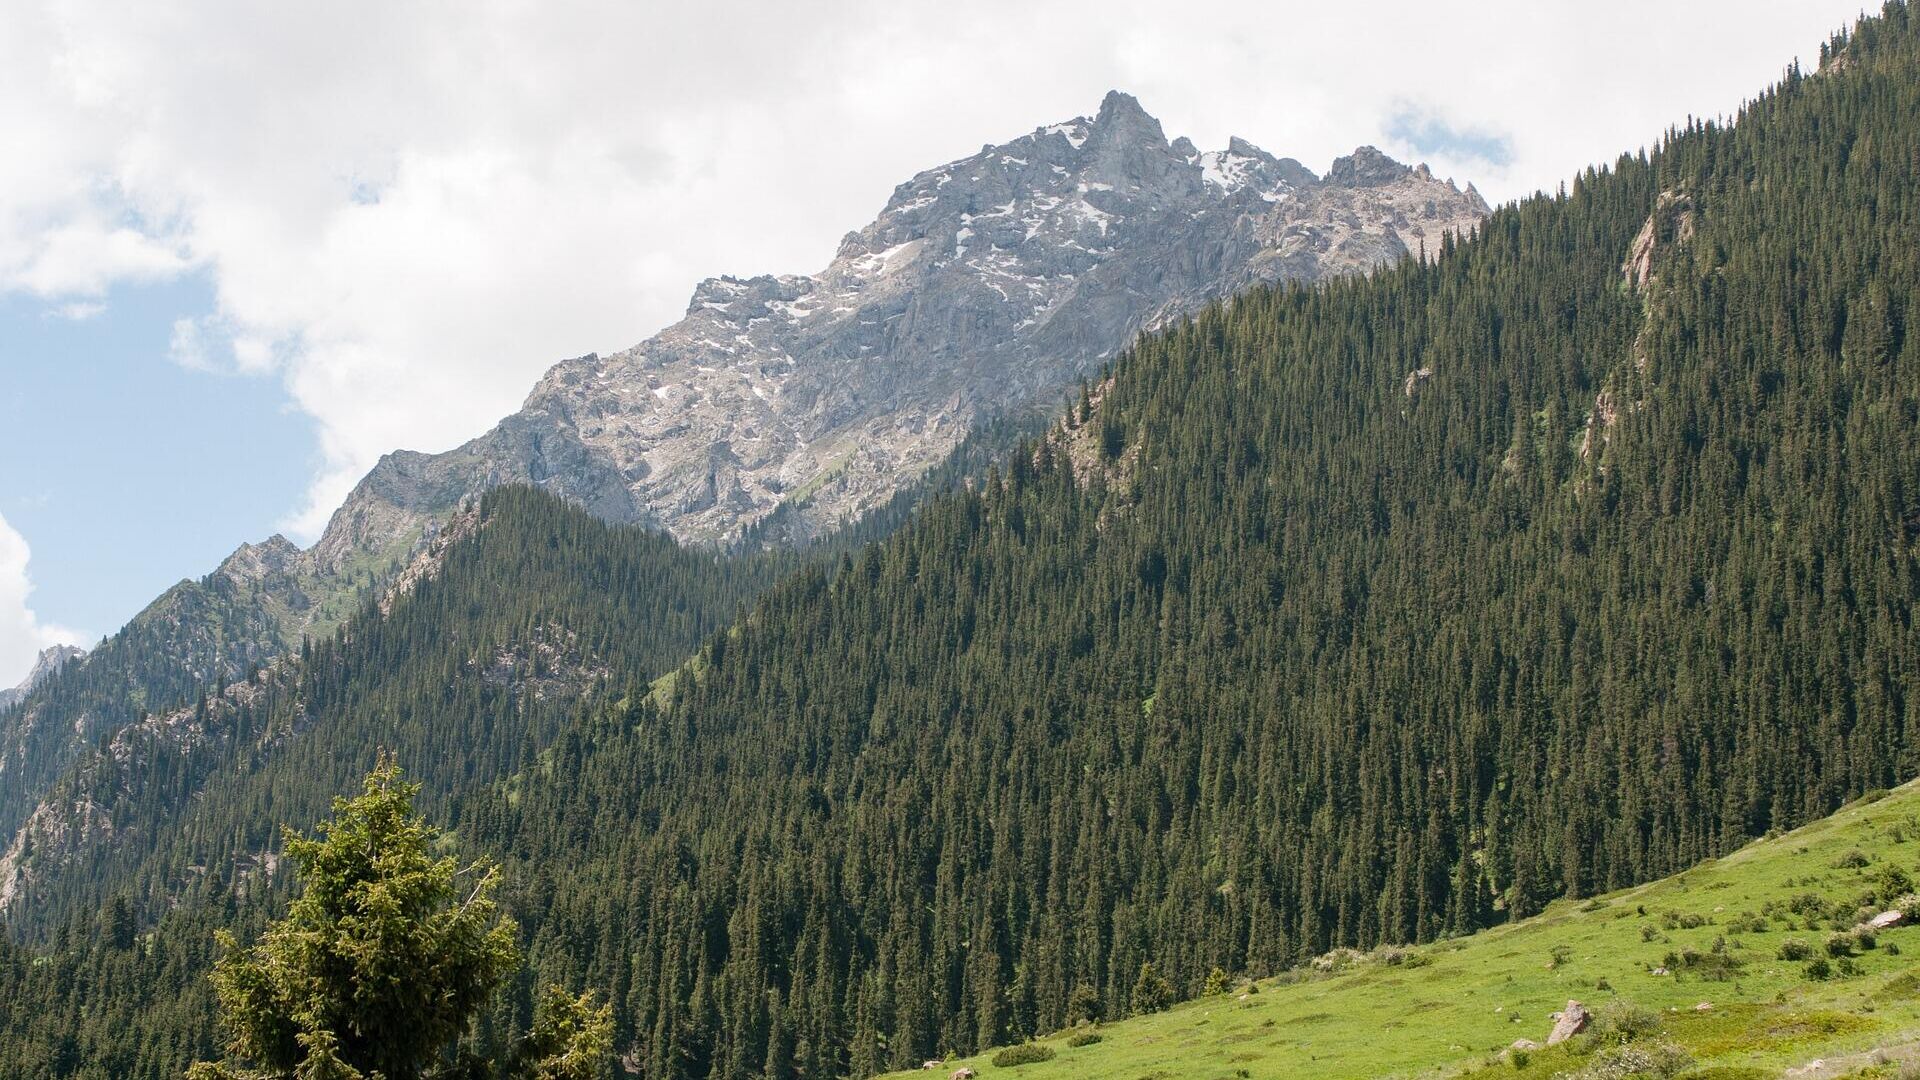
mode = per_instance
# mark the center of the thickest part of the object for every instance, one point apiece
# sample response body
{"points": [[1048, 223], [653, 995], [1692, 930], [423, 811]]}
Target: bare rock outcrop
{"points": [[1569, 1022]]}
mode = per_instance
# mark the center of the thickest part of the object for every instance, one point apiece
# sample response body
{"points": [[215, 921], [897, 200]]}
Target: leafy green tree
{"points": [[383, 961]]}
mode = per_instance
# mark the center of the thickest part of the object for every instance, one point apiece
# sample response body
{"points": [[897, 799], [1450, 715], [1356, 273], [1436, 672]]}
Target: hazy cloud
{"points": [[22, 634], [1427, 135]]}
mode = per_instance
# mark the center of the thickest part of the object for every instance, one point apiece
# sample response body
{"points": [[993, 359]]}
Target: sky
{"points": [[247, 248]]}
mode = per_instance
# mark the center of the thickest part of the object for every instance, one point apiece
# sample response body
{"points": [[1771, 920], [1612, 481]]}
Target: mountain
{"points": [[468, 664], [45, 666], [1377, 611], [784, 406], [198, 635], [991, 284]]}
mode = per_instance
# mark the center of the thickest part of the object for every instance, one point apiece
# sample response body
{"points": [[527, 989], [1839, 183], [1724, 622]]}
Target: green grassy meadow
{"points": [[1451, 1008]]}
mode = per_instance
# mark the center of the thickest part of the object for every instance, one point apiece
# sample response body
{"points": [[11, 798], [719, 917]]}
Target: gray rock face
{"points": [[992, 283]]}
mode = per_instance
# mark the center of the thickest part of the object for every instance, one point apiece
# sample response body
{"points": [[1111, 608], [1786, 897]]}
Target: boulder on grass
{"points": [[1572, 1021]]}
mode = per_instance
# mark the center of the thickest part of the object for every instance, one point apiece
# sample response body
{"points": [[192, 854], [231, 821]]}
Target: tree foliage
{"points": [[384, 960]]}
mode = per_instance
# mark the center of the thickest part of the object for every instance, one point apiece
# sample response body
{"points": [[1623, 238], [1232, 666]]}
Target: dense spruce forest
{"points": [[1376, 611], [1373, 611]]}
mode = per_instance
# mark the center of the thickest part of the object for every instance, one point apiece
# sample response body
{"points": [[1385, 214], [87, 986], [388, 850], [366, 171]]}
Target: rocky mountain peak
{"points": [[986, 285], [45, 666], [1121, 119], [1366, 167]]}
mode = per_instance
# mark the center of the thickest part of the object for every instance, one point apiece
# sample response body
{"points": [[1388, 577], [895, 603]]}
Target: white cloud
{"points": [[411, 209], [22, 634]]}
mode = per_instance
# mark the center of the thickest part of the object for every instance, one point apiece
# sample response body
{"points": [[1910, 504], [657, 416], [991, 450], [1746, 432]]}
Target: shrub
{"points": [[1216, 983], [1893, 883], [1840, 944], [1024, 1054], [1795, 949], [1151, 992], [1852, 860], [1559, 955], [1648, 933], [1083, 1038], [1682, 920], [1083, 1004], [1716, 966], [1623, 1022], [1818, 969], [1634, 1063]]}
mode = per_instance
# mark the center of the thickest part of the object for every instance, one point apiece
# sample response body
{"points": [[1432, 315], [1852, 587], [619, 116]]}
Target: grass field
{"points": [[1686, 975]]}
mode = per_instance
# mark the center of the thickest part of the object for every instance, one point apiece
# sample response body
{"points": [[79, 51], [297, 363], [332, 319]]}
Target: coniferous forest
{"points": [[1381, 610]]}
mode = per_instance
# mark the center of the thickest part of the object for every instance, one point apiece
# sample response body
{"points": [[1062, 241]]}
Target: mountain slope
{"points": [[787, 405], [1711, 935], [1371, 612], [468, 666], [1378, 611]]}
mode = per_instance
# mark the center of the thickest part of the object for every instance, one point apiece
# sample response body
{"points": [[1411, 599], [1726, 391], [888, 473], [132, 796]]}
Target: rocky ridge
{"points": [[986, 287], [989, 284], [45, 666]]}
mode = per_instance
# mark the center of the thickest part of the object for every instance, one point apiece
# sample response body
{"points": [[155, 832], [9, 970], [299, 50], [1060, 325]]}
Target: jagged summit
{"points": [[45, 666], [989, 283], [1366, 167]]}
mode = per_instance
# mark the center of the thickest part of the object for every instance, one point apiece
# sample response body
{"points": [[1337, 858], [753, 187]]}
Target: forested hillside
{"points": [[468, 673], [1368, 612], [1374, 611]]}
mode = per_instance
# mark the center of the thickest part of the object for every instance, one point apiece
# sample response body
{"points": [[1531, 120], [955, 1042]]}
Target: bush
{"points": [[1083, 1038], [1084, 1004], [1852, 860], [1216, 983], [1151, 992], [1795, 949], [1682, 920], [1840, 944], [1635, 1063], [1623, 1022], [1893, 883], [1713, 966], [1819, 970], [1024, 1054]]}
